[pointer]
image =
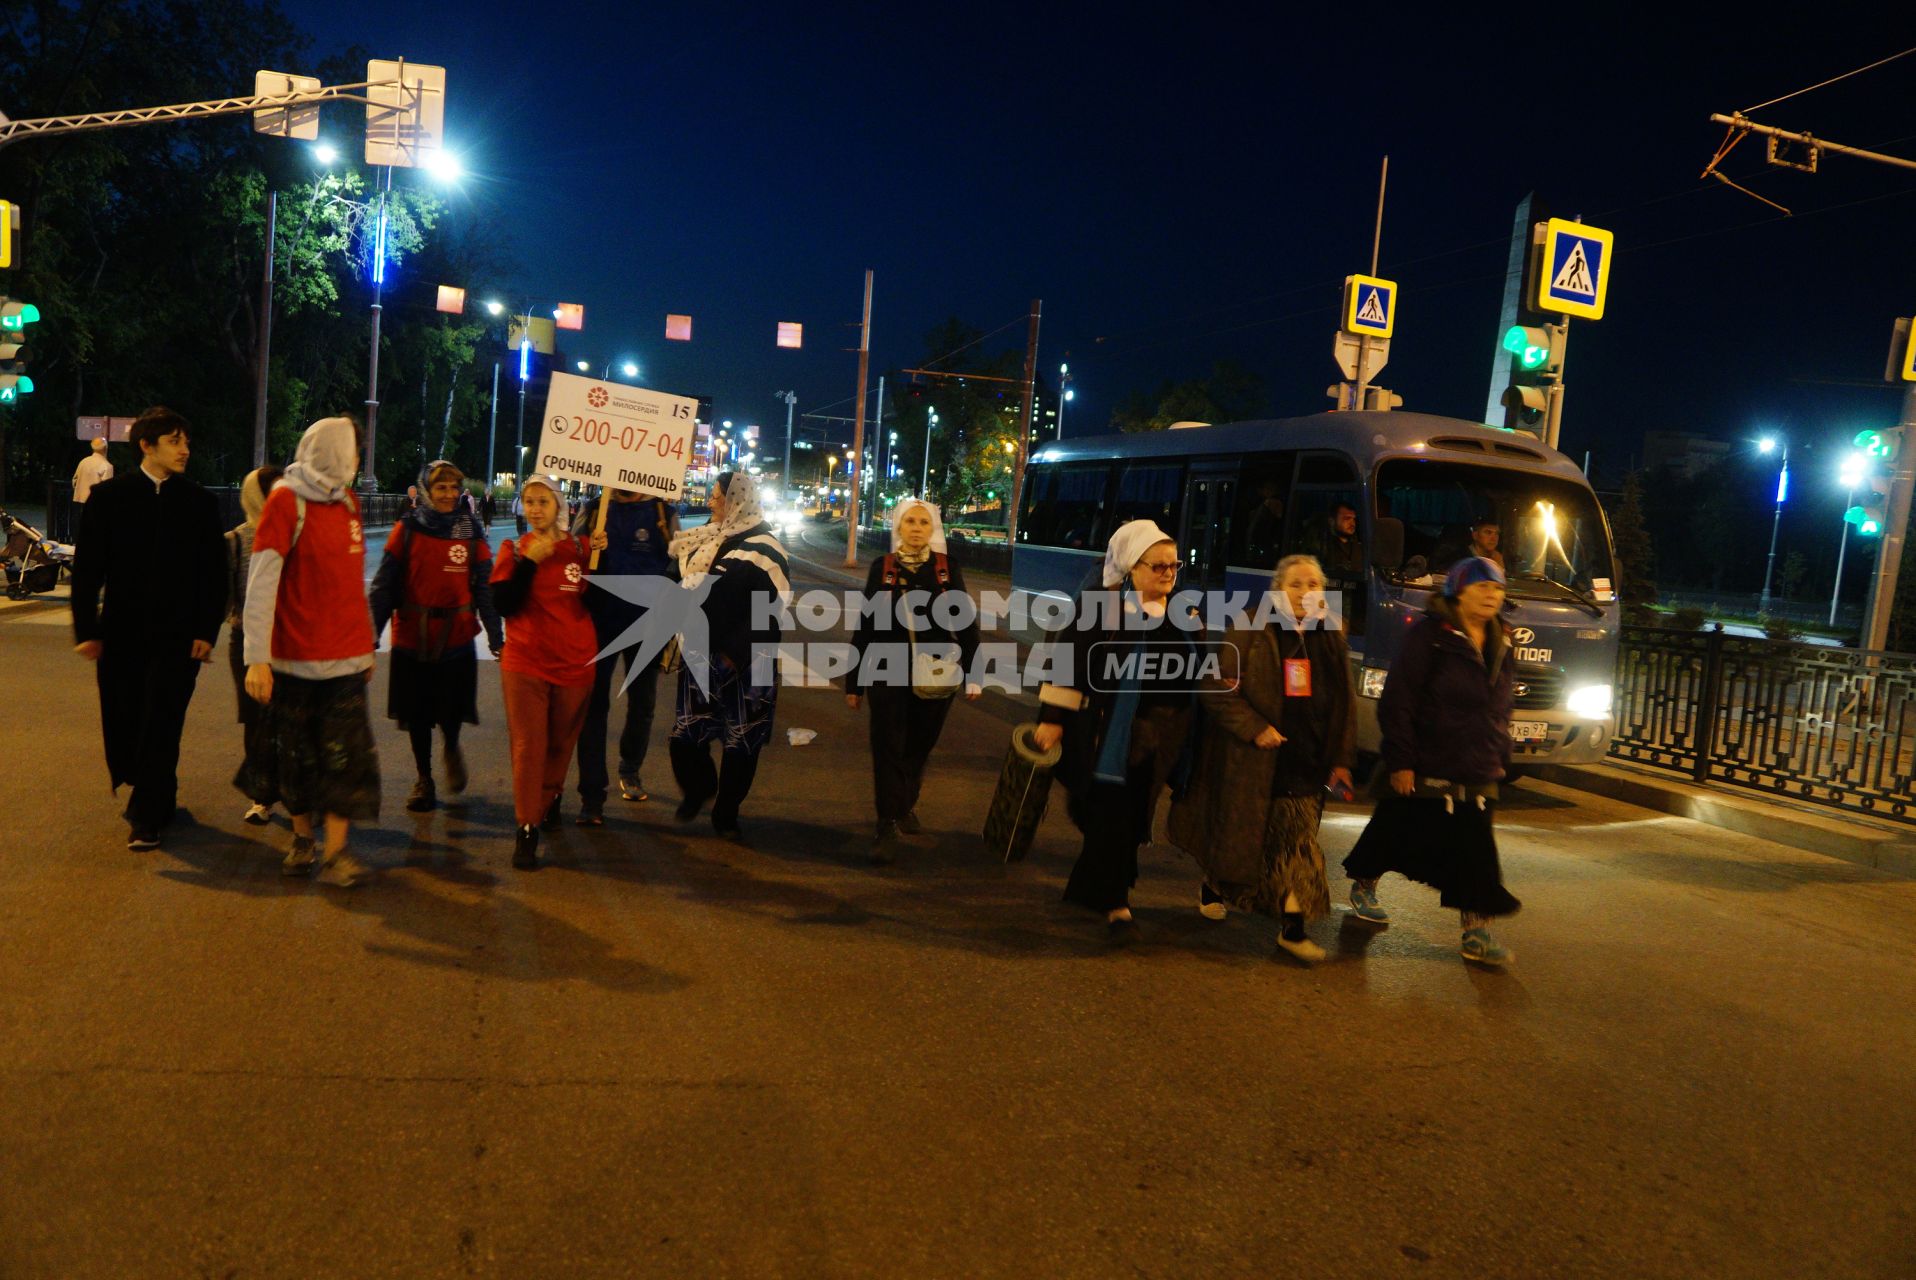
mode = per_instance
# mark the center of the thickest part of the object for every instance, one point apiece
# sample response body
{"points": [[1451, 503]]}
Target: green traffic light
{"points": [[19, 315], [1874, 443], [1530, 346]]}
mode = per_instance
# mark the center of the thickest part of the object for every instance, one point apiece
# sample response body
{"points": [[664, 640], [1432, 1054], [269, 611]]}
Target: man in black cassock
{"points": [[150, 543]]}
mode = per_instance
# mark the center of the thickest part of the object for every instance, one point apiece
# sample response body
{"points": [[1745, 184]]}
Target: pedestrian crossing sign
{"points": [[1575, 274], [1370, 306]]}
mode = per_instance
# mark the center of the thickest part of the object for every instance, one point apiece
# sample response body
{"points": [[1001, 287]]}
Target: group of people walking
{"points": [[1249, 757]]}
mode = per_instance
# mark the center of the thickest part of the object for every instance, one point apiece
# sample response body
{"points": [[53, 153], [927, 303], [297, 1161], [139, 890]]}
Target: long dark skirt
{"points": [[1292, 864], [735, 713], [441, 692], [323, 760], [1453, 851]]}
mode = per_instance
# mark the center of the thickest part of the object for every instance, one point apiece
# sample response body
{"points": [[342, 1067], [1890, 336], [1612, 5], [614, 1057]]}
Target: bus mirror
{"points": [[1387, 543]]}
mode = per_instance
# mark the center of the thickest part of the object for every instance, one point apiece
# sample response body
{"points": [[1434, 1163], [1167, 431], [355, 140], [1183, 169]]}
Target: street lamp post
{"points": [[924, 479], [1768, 444], [1064, 394]]}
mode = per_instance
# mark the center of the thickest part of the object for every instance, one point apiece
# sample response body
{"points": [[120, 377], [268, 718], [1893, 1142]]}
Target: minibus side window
{"points": [[1148, 491], [1263, 496]]}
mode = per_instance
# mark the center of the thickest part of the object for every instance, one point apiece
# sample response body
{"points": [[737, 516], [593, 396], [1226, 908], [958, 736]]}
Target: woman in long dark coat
{"points": [[434, 583], [907, 716], [1445, 714], [1279, 722], [1123, 727]]}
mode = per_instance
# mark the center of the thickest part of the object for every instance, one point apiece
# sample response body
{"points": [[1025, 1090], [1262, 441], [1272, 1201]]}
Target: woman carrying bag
{"points": [[546, 668], [1123, 725], [1445, 714], [434, 585], [749, 567], [913, 673], [1279, 728]]}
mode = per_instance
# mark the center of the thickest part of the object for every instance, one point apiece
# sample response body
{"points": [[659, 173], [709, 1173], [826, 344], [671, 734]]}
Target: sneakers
{"points": [[142, 839], [726, 825], [1291, 937], [423, 798], [343, 870], [689, 808], [258, 816], [1365, 907], [1480, 948], [629, 788], [455, 761], [300, 858], [553, 817], [525, 848], [909, 824], [1210, 906], [590, 815]]}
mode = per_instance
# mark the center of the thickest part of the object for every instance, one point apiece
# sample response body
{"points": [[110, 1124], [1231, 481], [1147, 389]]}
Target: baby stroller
{"points": [[32, 563]]}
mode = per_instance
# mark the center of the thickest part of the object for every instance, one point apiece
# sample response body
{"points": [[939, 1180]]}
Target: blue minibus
{"points": [[1240, 496]]}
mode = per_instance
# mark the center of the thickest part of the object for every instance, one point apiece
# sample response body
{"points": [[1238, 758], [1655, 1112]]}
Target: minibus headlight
{"points": [[1592, 702]]}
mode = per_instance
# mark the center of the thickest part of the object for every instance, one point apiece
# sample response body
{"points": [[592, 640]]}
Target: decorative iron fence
{"points": [[1834, 727]]}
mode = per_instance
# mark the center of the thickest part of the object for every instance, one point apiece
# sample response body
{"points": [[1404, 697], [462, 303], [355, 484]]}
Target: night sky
{"points": [[1181, 189]]}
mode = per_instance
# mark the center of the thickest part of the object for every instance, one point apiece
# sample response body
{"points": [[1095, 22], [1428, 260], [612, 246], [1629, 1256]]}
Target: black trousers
{"points": [[1115, 819], [144, 693], [727, 784], [640, 702], [904, 729]]}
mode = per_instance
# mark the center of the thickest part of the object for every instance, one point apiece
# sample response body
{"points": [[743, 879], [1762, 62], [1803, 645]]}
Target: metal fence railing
{"points": [[1833, 727]]}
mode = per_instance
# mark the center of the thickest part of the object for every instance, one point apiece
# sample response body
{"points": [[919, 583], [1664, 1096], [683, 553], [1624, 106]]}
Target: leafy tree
{"points": [[1636, 555], [1231, 393], [1796, 567]]}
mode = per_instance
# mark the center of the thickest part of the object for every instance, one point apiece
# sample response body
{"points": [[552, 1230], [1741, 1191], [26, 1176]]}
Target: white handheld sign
{"points": [[622, 437]]}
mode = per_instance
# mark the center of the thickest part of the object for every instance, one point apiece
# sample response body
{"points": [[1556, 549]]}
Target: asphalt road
{"points": [[668, 1054]]}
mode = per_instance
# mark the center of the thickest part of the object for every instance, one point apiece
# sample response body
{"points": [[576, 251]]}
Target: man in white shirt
{"points": [[93, 469]]}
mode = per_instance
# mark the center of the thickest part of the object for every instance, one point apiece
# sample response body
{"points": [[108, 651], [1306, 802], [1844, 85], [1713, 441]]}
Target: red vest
{"points": [[435, 611]]}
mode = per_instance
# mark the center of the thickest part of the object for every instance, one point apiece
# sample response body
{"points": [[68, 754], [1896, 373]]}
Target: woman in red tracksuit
{"points": [[538, 585]]}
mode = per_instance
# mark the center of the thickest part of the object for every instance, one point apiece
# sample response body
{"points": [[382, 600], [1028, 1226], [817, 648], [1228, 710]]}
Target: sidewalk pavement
{"points": [[1872, 842]]}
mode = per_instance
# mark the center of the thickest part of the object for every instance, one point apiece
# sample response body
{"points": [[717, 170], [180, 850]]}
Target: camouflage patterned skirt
{"points": [[322, 758]]}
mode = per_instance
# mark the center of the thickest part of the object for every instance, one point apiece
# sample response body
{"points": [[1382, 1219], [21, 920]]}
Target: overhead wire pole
{"points": [[1362, 392], [265, 353], [1024, 424], [368, 476], [858, 427]]}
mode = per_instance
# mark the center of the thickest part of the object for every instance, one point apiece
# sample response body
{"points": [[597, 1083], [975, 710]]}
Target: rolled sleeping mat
{"points": [[1024, 788]]}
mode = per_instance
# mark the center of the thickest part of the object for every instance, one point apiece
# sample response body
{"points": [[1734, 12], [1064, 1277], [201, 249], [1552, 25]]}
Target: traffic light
{"points": [[1867, 519], [1878, 444], [14, 319], [1536, 361]]}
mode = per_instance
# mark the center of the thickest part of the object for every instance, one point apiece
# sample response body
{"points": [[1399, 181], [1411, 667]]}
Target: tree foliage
{"points": [[143, 249], [1636, 555], [1231, 393]]}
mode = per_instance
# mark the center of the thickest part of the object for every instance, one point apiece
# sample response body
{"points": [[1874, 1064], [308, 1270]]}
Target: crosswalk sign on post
{"points": [[1370, 306], [1575, 269]]}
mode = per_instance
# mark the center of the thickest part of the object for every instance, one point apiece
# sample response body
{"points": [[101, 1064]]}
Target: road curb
{"points": [[1868, 842]]}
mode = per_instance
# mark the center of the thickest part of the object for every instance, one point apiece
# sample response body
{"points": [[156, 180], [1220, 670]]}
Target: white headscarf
{"points": [[252, 500], [937, 544], [695, 549], [1127, 547], [562, 518], [323, 467]]}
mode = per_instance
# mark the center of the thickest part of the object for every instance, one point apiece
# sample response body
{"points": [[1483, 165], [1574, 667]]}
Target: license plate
{"points": [[1529, 730]]}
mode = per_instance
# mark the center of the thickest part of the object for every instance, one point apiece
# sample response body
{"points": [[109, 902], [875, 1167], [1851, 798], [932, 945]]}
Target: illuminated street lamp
{"points": [[1855, 468], [1768, 445]]}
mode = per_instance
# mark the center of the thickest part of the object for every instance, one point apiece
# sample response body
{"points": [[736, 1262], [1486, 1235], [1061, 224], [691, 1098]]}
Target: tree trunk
{"points": [[445, 429]]}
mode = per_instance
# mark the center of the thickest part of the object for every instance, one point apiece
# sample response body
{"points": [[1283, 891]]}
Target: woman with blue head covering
{"points": [[1445, 716]]}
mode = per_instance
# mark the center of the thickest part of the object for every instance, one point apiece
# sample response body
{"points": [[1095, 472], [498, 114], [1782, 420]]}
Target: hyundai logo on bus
{"points": [[1523, 638]]}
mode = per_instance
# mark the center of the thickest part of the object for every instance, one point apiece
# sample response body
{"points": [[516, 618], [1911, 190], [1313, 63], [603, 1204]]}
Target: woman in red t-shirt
{"points": [[538, 585]]}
